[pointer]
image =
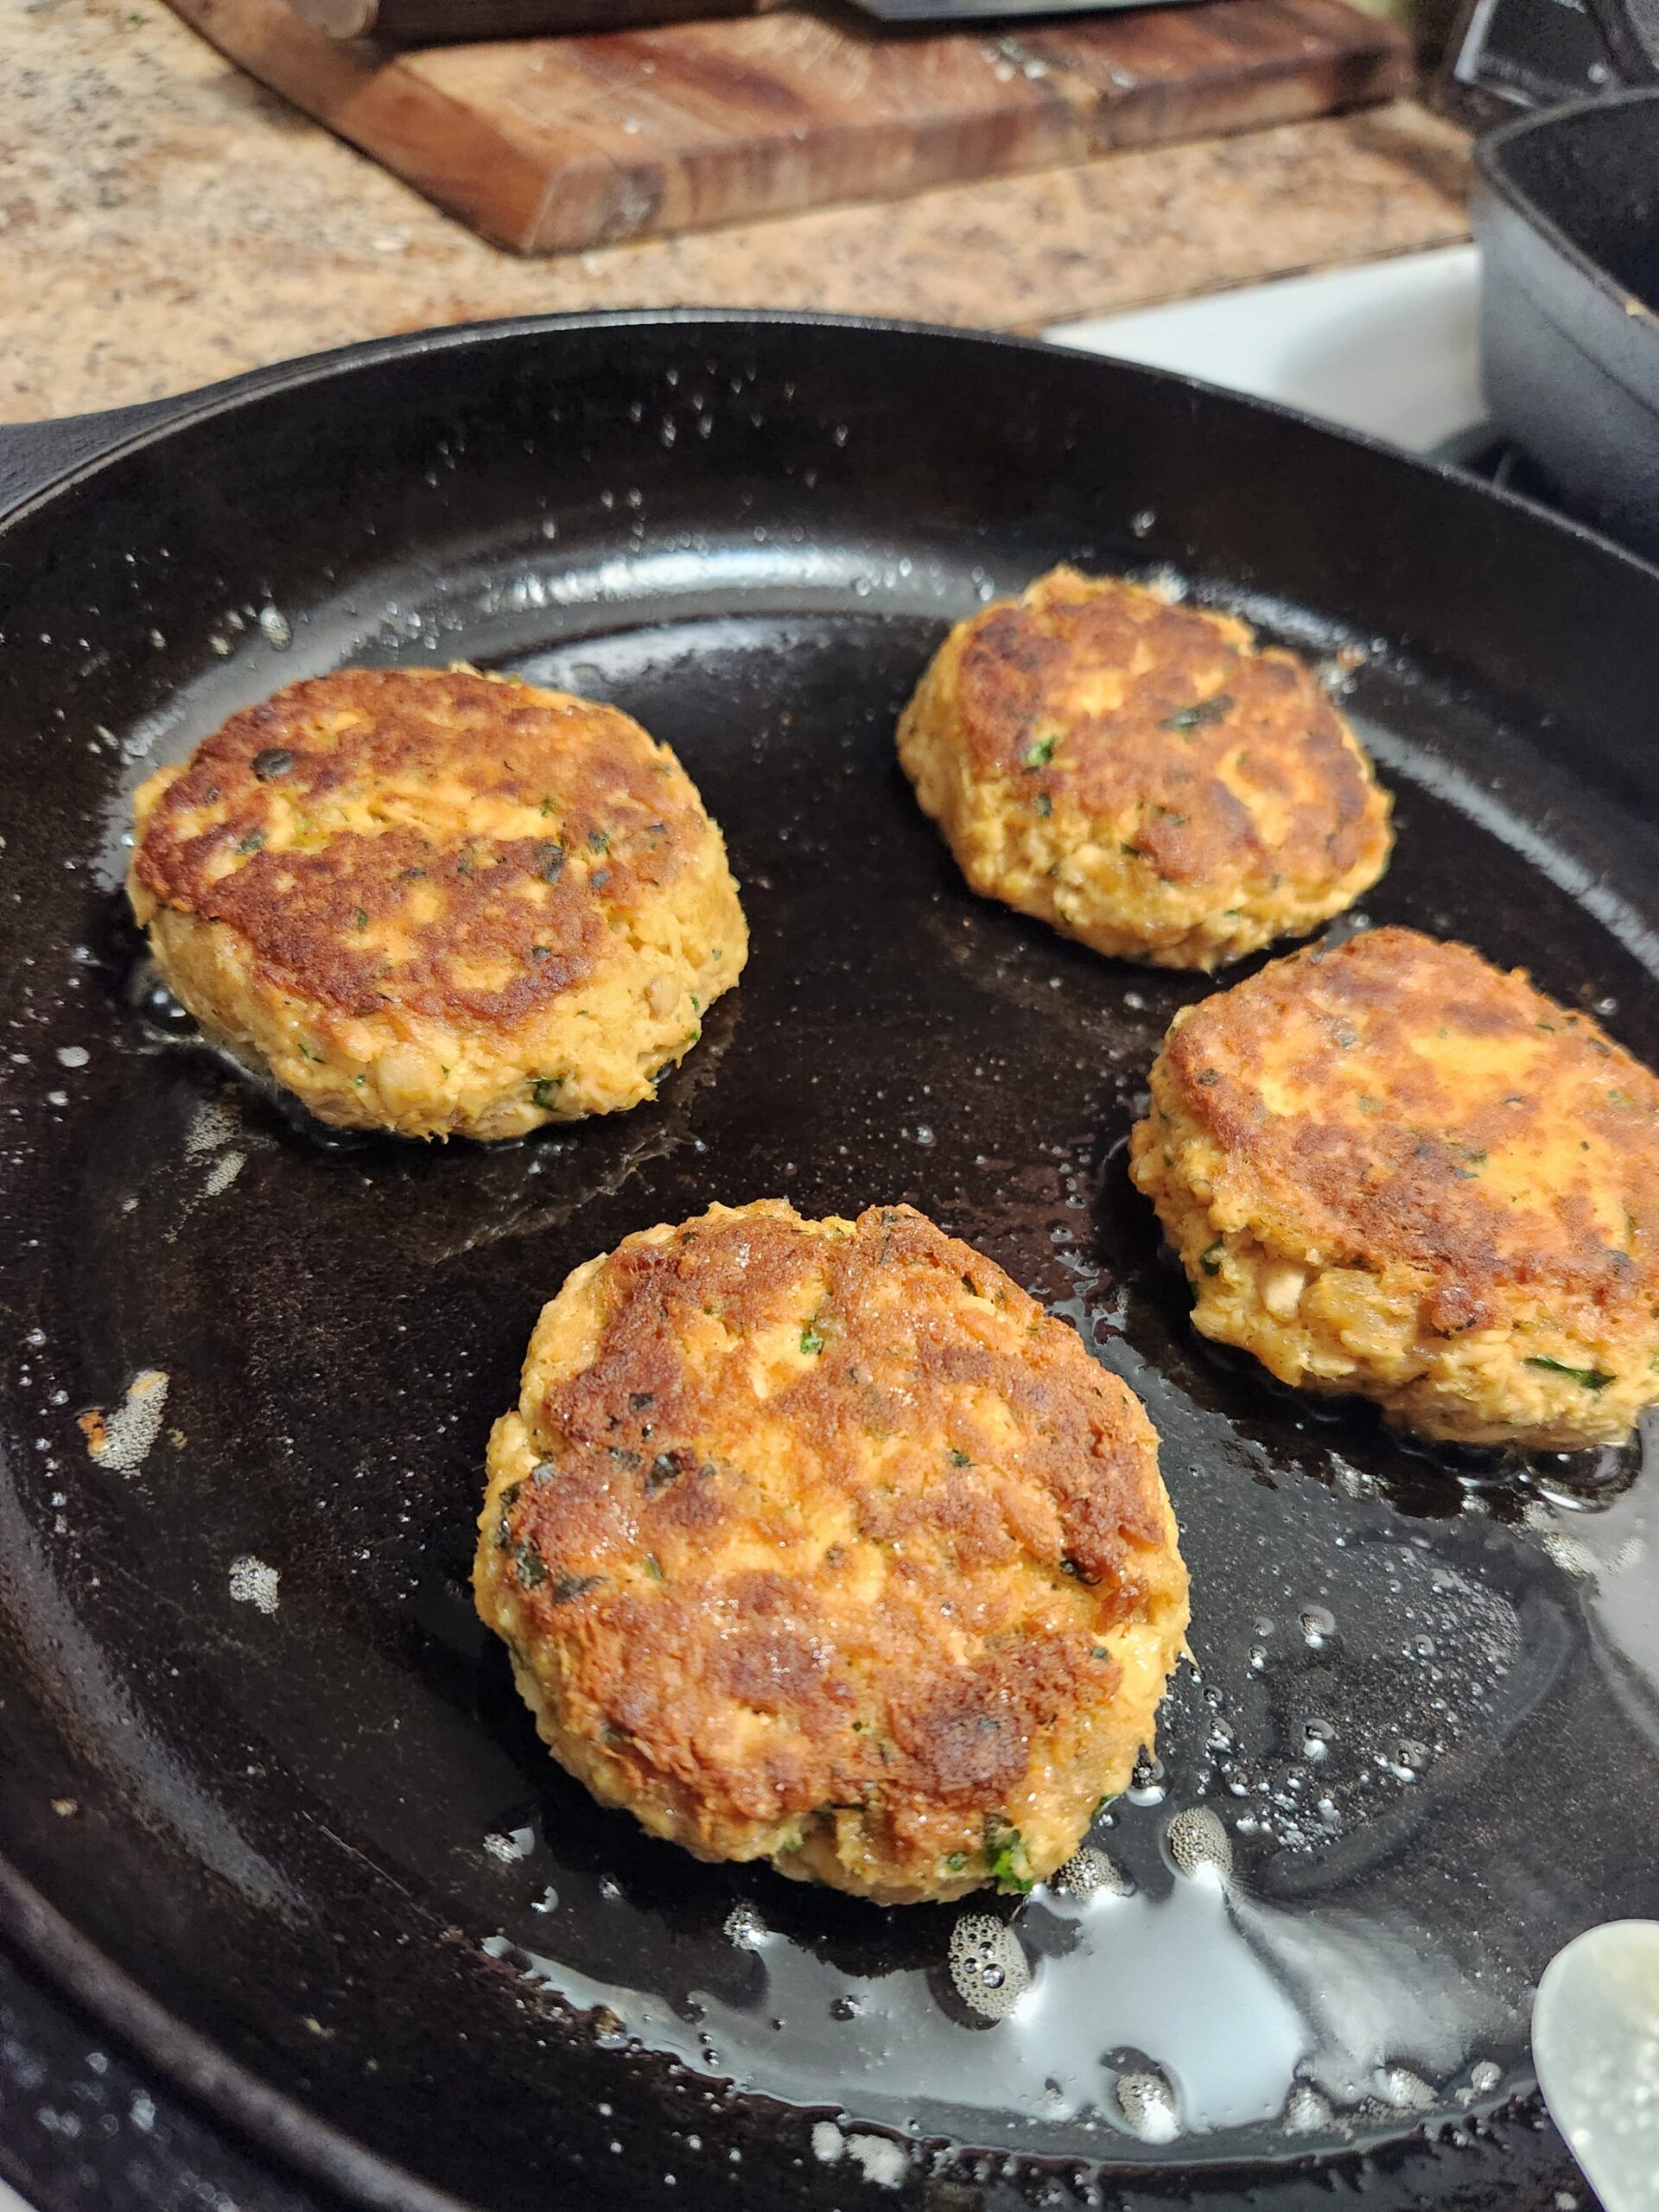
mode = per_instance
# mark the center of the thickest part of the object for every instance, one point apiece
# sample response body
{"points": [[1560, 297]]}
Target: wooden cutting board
{"points": [[546, 145]]}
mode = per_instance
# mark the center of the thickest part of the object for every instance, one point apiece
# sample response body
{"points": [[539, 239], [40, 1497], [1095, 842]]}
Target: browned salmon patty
{"points": [[818, 1541], [1393, 1169], [438, 902], [1141, 775]]}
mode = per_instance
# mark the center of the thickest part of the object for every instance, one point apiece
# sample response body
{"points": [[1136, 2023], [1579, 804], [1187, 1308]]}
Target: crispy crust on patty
{"points": [[818, 1541], [402, 874], [1141, 775], [1393, 1169]]}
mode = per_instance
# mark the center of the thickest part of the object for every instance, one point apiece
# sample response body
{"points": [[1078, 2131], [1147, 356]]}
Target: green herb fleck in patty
{"points": [[1592, 1378]]}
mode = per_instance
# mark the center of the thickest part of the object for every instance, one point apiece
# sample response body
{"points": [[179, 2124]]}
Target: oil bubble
{"points": [[987, 1965], [510, 1844], [1147, 1784], [744, 1925], [1091, 1873], [1406, 2091], [1306, 2112], [1149, 2108], [1195, 1839], [885, 2163], [253, 1583], [1318, 1626], [1571, 1554], [122, 1438]]}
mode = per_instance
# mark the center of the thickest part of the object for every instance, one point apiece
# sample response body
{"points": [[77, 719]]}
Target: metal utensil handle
{"points": [[1631, 30], [428, 22]]}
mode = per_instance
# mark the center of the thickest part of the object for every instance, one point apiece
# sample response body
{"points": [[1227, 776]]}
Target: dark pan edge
{"points": [[207, 401], [273, 2122]]}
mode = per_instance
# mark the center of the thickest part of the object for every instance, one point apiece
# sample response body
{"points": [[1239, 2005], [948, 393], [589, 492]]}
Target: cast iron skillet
{"points": [[311, 1858], [1567, 210]]}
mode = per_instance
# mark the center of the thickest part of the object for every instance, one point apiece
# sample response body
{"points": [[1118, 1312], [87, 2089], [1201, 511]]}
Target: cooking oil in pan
{"points": [[1016, 2014], [1236, 1957], [1183, 2009]]}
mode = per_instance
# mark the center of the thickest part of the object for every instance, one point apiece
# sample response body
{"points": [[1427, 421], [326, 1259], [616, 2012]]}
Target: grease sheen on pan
{"points": [[1141, 775], [819, 1542], [439, 902], [1391, 1168]]}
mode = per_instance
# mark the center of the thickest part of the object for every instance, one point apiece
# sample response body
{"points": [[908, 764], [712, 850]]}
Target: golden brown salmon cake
{"points": [[818, 1541], [1390, 1168], [1141, 775], [438, 902]]}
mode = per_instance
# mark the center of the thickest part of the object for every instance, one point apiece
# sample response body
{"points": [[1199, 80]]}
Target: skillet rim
{"points": [[88, 453]]}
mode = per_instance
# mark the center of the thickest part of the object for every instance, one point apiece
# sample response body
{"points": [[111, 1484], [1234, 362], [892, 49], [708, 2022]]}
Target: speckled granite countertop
{"points": [[165, 221]]}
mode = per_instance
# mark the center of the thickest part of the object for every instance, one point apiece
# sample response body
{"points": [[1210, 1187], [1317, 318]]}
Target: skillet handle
{"points": [[35, 456]]}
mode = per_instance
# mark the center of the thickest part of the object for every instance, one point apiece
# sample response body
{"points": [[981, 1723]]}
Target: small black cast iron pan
{"points": [[268, 1803], [1566, 212]]}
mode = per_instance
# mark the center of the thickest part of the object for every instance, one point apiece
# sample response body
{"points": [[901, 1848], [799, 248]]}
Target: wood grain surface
{"points": [[549, 145]]}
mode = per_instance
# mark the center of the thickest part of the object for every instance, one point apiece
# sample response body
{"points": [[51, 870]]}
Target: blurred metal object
{"points": [[1505, 56], [1563, 213], [339, 18], [1630, 29], [431, 22], [979, 11], [1595, 2042], [435, 23]]}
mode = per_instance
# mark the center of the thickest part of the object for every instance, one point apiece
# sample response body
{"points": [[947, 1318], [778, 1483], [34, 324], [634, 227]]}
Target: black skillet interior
{"points": [[253, 1746]]}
